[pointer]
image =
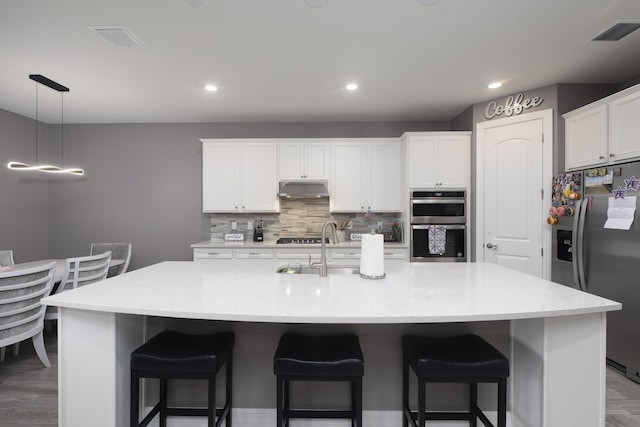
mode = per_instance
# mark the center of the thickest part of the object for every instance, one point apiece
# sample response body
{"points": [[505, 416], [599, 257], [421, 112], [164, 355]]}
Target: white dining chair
{"points": [[6, 257], [80, 271], [119, 251], [21, 314]]}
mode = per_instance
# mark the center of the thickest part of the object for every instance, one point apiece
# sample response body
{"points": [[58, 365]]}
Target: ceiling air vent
{"points": [[118, 36], [617, 31]]}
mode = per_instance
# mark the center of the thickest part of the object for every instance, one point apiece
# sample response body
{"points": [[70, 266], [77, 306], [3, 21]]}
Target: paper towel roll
{"points": [[372, 256]]}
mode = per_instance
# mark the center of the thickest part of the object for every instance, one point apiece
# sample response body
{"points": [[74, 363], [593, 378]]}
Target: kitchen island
{"points": [[556, 335]]}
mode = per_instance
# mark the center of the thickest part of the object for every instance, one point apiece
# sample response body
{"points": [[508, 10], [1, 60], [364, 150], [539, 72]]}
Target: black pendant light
{"points": [[20, 166]]}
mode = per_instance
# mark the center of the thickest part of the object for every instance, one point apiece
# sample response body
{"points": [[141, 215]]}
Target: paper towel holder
{"points": [[366, 276]]}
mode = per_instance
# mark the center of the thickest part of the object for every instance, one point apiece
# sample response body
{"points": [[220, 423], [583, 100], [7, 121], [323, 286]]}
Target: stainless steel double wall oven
{"points": [[438, 225]]}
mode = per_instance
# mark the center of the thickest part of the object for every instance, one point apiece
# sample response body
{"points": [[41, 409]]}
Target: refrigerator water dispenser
{"points": [[564, 238]]}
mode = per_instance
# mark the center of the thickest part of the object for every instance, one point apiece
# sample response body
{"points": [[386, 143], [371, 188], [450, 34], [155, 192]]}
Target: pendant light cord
{"points": [[37, 123], [62, 129]]}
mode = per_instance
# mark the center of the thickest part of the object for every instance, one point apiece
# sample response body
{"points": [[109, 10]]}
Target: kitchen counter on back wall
{"points": [[344, 251], [271, 244]]}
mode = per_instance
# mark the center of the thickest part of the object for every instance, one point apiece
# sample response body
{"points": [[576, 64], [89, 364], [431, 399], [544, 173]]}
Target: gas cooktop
{"points": [[300, 240]]}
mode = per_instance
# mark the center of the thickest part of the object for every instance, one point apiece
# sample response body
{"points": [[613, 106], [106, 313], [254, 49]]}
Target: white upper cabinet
{"points": [[624, 130], [438, 159], [367, 175], [604, 132], [586, 135], [304, 160], [239, 176], [386, 183]]}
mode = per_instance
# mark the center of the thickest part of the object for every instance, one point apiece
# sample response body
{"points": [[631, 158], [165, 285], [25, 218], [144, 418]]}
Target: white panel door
{"points": [[513, 198]]}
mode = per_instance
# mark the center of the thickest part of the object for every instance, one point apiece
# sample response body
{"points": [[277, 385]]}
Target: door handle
{"points": [[492, 246]]}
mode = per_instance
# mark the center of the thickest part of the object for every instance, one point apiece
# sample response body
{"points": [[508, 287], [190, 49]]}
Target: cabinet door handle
{"points": [[601, 157], [611, 155]]}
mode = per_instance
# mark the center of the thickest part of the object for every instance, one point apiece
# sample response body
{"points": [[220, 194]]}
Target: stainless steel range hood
{"points": [[303, 189]]}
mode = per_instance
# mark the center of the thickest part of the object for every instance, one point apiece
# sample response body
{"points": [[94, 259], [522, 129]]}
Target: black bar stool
{"points": [[318, 358], [174, 355], [460, 359]]}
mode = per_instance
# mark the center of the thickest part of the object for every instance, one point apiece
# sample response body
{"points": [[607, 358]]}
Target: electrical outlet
{"points": [[379, 225], [234, 225], [249, 225]]}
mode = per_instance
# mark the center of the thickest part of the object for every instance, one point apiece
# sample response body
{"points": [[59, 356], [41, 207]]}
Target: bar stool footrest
{"points": [[317, 413], [451, 416]]}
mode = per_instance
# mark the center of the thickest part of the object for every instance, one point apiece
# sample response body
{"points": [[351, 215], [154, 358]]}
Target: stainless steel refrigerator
{"points": [[602, 261]]}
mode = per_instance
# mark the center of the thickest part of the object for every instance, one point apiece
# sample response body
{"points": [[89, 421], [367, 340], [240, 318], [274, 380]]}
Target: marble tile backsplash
{"points": [[299, 217]]}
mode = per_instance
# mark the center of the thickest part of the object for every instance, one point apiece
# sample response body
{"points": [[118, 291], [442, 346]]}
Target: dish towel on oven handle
{"points": [[437, 239]]}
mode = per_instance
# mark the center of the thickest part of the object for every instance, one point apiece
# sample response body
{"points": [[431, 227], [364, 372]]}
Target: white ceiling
{"points": [[283, 61]]}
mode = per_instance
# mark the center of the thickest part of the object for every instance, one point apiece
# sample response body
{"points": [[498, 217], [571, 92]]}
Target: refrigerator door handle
{"points": [[583, 214], [576, 249]]}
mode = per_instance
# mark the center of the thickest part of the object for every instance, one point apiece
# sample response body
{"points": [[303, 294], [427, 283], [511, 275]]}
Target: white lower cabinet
{"points": [[354, 253], [345, 253], [228, 253], [212, 253], [253, 253], [396, 253], [297, 255]]}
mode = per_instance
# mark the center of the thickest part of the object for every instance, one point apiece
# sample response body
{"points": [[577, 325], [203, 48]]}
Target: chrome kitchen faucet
{"points": [[322, 266]]}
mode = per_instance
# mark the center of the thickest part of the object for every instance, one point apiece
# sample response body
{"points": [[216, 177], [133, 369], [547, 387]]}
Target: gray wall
{"points": [[143, 184], [24, 205]]}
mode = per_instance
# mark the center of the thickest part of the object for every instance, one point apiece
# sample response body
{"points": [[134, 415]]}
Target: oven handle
{"points": [[447, 226], [437, 201]]}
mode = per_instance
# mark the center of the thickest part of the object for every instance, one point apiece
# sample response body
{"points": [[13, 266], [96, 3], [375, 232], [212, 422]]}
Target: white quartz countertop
{"points": [[241, 290], [220, 243]]}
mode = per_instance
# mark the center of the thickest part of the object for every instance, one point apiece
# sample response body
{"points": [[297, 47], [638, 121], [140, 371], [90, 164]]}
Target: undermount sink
{"points": [[331, 269]]}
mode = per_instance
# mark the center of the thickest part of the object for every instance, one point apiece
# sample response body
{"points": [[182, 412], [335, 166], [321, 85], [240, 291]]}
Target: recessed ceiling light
{"points": [[429, 2], [351, 86], [211, 88], [494, 85]]}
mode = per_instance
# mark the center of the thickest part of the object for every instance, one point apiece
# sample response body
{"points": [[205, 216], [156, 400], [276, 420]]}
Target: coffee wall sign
{"points": [[513, 106]]}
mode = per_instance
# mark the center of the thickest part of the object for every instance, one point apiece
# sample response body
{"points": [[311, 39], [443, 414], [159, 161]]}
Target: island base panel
{"points": [[93, 366], [559, 371]]}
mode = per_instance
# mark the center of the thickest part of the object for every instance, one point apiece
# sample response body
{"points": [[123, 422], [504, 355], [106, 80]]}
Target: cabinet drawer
{"points": [[212, 253], [345, 253], [299, 254], [395, 253], [254, 253]]}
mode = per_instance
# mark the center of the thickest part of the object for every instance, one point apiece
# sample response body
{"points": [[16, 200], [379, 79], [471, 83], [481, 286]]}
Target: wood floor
{"points": [[28, 391]]}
